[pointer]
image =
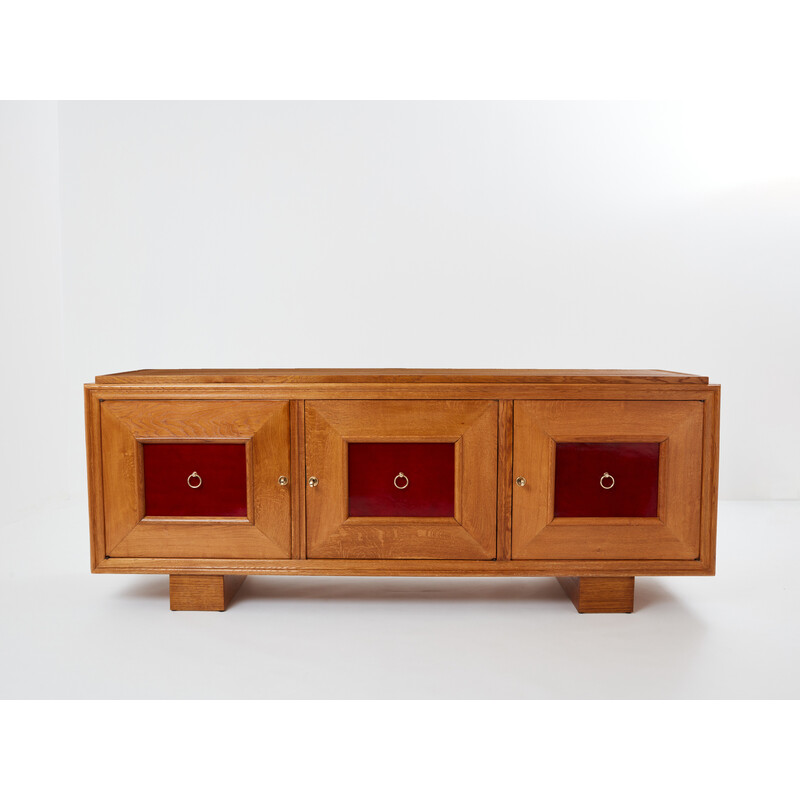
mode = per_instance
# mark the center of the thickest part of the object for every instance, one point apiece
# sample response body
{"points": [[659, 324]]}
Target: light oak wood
{"points": [[94, 469], [505, 477], [263, 425], [127, 409], [675, 534], [471, 533], [398, 391], [203, 592], [155, 376], [298, 482], [709, 494], [600, 595], [405, 567]]}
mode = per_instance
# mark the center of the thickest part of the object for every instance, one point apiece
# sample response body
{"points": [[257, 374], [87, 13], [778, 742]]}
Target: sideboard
{"points": [[590, 476]]}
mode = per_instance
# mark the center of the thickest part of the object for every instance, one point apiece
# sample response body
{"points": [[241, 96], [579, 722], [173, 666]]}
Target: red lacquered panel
{"points": [[222, 468], [428, 477], [581, 465]]}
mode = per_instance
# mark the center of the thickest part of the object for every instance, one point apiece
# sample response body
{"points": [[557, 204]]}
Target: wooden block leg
{"points": [[203, 592], [600, 595]]}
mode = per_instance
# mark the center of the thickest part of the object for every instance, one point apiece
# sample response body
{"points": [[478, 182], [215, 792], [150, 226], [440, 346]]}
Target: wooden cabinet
{"points": [[590, 476]]}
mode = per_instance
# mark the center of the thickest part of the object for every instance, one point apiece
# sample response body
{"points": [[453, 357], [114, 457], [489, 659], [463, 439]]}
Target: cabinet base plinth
{"points": [[203, 592], [600, 595]]}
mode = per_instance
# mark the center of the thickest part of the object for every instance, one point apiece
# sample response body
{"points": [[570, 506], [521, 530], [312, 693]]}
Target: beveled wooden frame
{"points": [[262, 426], [470, 424], [539, 425]]}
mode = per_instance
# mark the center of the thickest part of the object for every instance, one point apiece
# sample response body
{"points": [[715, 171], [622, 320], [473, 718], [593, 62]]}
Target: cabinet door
{"points": [[401, 479], [607, 479], [196, 478]]}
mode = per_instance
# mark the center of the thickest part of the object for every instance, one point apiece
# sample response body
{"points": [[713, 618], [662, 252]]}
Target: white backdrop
{"points": [[544, 234]]}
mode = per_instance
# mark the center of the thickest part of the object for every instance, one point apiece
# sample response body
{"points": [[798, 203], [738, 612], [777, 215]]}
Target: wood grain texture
{"points": [[298, 479], [94, 471], [505, 477], [506, 387], [675, 534], [405, 567], [708, 532], [156, 376], [122, 482], [263, 425], [398, 391], [600, 595], [203, 592], [331, 533]]}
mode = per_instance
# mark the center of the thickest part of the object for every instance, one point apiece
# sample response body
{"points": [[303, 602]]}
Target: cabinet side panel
{"points": [[94, 473], [711, 421]]}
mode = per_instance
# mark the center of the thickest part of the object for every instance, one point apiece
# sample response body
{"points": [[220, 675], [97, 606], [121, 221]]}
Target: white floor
{"points": [[69, 634]]}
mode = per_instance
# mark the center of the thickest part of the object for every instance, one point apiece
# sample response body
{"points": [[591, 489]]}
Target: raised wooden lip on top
{"points": [[400, 376]]}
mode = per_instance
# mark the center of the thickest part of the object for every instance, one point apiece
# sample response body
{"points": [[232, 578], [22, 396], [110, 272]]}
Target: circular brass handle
{"points": [[283, 480], [521, 481], [194, 485], [312, 481], [610, 477], [401, 475]]}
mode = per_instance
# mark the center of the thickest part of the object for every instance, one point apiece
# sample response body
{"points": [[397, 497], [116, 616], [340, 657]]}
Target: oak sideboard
{"points": [[590, 476]]}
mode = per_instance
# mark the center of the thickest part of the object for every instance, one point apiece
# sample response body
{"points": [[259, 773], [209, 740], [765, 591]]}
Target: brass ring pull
{"points": [[610, 477], [194, 485], [401, 475]]}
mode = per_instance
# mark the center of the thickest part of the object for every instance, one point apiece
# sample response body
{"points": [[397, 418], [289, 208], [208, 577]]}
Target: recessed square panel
{"points": [[195, 480], [401, 479], [606, 479]]}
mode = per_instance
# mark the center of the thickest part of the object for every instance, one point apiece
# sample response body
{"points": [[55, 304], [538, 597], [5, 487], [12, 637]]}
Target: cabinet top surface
{"points": [[272, 376]]}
